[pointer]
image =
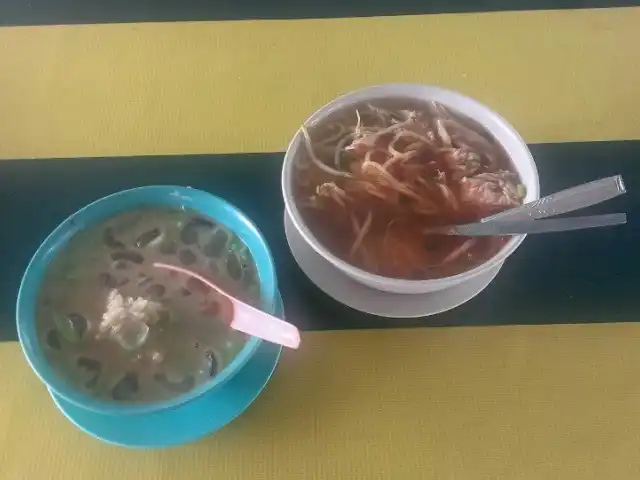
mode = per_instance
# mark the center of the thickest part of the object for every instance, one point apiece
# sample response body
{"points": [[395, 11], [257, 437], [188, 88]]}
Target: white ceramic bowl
{"points": [[504, 133]]}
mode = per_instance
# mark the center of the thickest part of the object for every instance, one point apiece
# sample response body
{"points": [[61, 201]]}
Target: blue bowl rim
{"points": [[165, 195]]}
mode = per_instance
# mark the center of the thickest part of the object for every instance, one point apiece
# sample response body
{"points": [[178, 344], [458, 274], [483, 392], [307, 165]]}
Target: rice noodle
{"points": [[385, 116], [371, 138], [322, 166], [449, 197], [438, 110], [462, 133], [425, 141], [391, 148], [458, 252], [415, 145], [377, 171], [373, 190], [331, 190], [341, 131], [396, 155], [400, 157], [340, 148], [442, 132], [387, 230], [361, 234], [357, 131]]}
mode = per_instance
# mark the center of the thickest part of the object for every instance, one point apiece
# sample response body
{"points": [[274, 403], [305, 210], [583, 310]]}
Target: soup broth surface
{"points": [[122, 330]]}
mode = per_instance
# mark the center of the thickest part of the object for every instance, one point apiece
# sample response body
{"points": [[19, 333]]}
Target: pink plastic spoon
{"points": [[248, 319]]}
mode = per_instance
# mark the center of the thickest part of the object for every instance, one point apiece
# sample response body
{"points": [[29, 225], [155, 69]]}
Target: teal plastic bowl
{"points": [[153, 196]]}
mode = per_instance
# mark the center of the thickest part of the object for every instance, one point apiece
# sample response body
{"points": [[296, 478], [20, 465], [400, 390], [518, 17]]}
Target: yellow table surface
{"points": [[537, 402]]}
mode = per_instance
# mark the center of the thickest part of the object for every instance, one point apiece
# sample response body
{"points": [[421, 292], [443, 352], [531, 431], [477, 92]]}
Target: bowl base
{"points": [[189, 422], [369, 300]]}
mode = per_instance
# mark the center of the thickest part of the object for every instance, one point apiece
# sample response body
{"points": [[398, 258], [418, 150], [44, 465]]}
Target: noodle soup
{"points": [[372, 177], [375, 180], [120, 330]]}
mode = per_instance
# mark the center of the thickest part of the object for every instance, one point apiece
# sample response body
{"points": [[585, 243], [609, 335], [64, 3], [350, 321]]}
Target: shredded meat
{"points": [[490, 190]]}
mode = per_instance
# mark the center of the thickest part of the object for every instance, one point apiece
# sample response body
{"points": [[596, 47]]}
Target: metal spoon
{"points": [[546, 225], [565, 201]]}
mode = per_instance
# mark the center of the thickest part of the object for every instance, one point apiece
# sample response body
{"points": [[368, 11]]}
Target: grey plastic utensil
{"points": [[546, 225], [565, 201]]}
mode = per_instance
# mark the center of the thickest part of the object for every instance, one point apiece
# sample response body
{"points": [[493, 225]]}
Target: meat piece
{"points": [[461, 162], [398, 253], [492, 190]]}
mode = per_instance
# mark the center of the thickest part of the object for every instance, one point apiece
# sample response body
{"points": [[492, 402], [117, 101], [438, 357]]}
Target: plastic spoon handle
{"points": [[248, 319], [564, 201], [262, 325]]}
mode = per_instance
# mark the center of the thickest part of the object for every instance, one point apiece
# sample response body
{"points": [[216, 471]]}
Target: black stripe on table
{"points": [[52, 12], [576, 277]]}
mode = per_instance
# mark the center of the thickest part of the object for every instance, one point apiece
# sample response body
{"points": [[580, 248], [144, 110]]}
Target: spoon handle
{"points": [[246, 318], [565, 201], [267, 327], [546, 225]]}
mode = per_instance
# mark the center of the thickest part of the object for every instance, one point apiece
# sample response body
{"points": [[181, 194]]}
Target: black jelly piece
{"points": [[216, 246], [234, 268], [133, 257], [156, 290], [109, 281], [92, 366], [213, 362], [203, 222], [121, 265], [185, 292], [249, 275], [53, 340], [125, 388], [110, 239], [169, 248], [78, 323], [189, 234], [187, 257], [147, 237], [184, 385], [164, 318]]}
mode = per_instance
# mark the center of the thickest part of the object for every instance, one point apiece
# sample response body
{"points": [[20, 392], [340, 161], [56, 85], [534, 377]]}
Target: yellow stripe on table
{"points": [[545, 402], [128, 89]]}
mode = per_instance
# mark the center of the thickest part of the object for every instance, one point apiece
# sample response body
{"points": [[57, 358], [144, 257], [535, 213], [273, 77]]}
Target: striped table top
{"points": [[533, 379]]}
